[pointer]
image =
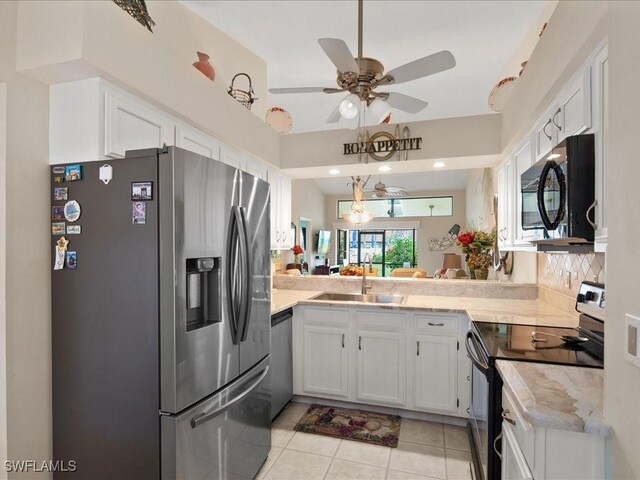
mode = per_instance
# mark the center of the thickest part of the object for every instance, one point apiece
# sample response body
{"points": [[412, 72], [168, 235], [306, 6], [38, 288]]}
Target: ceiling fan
{"points": [[380, 190], [360, 76]]}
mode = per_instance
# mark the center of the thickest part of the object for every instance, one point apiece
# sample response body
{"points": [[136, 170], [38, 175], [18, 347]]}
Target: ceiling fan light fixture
{"points": [[379, 110], [349, 106]]}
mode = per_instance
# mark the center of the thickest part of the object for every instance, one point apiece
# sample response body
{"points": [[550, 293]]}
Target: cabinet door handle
{"points": [[418, 348], [343, 340], [359, 343], [553, 119], [593, 224], [544, 129], [439, 324], [277, 235], [495, 445], [507, 418]]}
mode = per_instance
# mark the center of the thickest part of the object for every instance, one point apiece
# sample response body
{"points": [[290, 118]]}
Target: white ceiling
{"points": [[411, 182], [482, 35]]}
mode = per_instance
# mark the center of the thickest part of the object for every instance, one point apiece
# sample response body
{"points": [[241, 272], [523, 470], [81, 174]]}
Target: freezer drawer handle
{"points": [[206, 416]]}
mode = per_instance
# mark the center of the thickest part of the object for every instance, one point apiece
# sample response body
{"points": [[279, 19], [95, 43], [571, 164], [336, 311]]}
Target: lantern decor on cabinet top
{"points": [[204, 66], [244, 97], [138, 10], [477, 246]]}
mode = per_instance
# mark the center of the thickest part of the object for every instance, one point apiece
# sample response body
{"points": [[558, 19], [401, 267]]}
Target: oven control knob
{"points": [[580, 298], [589, 295]]}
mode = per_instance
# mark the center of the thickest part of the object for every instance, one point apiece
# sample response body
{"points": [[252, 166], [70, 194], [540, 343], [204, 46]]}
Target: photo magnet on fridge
{"points": [[60, 193], [72, 260], [57, 228], [74, 230], [57, 213], [72, 211], [73, 173], [142, 191], [58, 170], [139, 213]]}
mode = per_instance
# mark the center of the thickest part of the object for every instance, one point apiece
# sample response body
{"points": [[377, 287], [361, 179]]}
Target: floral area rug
{"points": [[359, 425]]}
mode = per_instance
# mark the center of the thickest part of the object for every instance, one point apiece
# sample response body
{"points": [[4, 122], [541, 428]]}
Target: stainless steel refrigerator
{"points": [[160, 318]]}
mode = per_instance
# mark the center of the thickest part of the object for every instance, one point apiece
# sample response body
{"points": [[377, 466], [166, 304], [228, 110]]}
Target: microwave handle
{"points": [[542, 209]]}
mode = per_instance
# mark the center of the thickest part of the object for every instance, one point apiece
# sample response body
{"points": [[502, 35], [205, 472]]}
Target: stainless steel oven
{"points": [[558, 194], [485, 409]]}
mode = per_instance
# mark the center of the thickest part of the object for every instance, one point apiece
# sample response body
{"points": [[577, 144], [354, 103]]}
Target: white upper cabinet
{"points": [[285, 212], [281, 238], [573, 115], [131, 125], [506, 204], [522, 160], [257, 168], [545, 133], [197, 141], [232, 157], [600, 128]]}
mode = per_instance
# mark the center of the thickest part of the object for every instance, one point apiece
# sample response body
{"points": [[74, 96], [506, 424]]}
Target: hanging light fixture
{"points": [[349, 106], [379, 110], [358, 214]]}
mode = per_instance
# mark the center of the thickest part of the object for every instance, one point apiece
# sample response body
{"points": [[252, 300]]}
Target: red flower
{"points": [[297, 250], [466, 238]]}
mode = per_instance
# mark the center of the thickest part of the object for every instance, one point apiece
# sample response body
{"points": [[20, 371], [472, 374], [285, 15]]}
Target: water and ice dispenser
{"points": [[203, 292]]}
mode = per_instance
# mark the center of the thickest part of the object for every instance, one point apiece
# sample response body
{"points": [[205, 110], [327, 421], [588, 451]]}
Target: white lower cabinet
{"points": [[370, 355], [436, 373], [381, 367], [514, 465]]}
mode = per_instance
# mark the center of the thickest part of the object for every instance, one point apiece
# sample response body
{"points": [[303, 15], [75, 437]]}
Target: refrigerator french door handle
{"points": [[231, 274], [248, 274], [206, 416]]}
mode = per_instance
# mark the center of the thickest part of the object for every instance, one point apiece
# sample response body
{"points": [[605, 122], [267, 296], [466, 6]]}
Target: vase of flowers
{"points": [[477, 247], [297, 251]]}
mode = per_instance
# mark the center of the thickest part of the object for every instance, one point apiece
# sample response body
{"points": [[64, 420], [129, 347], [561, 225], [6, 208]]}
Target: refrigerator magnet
{"points": [[58, 179], [59, 260], [74, 230], [60, 193], [57, 213], [57, 228], [72, 260], [139, 213], [73, 173], [141, 191], [72, 211], [58, 170]]}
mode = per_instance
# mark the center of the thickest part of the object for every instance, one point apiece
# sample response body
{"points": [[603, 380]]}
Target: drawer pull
{"points": [[343, 340], [359, 343], [439, 324], [507, 418], [418, 348]]}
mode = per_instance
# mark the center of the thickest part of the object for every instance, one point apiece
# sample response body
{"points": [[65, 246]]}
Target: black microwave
{"points": [[558, 194]]}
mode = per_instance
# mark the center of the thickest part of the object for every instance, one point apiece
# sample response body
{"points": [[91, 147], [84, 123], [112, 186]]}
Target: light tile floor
{"points": [[426, 450]]}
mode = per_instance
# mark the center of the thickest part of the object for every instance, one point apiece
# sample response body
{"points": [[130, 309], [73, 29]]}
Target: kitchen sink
{"points": [[358, 297]]}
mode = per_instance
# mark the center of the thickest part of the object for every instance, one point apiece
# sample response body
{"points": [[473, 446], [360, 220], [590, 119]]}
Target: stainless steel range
{"points": [[582, 346]]}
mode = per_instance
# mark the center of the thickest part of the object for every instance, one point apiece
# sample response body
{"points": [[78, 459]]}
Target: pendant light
{"points": [[349, 106]]}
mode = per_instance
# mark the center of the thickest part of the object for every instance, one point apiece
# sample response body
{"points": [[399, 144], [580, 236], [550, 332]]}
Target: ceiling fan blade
{"points": [[305, 90], [406, 103], [335, 115], [339, 54], [423, 67]]}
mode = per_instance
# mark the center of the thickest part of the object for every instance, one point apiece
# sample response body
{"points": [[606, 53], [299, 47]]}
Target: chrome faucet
{"points": [[365, 287]]}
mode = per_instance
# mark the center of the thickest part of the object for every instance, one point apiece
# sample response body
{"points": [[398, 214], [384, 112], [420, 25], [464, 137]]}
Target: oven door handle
{"points": [[472, 351]]}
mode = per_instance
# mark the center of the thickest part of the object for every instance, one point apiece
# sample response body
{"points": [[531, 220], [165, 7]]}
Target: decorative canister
{"points": [[204, 66]]}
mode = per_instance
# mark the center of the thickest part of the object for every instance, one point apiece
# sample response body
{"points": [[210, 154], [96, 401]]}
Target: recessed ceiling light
{"points": [[384, 168], [334, 171], [438, 165]]}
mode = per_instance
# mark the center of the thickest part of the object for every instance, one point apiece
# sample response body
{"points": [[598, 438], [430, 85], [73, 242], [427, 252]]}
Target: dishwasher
{"points": [[281, 361]]}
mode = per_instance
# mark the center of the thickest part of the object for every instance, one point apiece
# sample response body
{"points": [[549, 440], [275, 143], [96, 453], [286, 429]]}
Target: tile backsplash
{"points": [[554, 268]]}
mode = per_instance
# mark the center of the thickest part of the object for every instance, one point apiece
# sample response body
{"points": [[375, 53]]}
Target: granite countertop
{"points": [[525, 312], [283, 299], [560, 397]]}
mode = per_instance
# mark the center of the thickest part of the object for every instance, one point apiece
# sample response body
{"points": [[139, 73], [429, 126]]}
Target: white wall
{"points": [[28, 256], [480, 192], [61, 41], [430, 227], [622, 380], [3, 275], [307, 200]]}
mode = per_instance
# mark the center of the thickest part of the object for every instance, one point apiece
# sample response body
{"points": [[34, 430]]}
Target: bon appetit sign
{"points": [[382, 146]]}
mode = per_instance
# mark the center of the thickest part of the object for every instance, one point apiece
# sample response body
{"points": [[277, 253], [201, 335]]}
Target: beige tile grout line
{"points": [[333, 457]]}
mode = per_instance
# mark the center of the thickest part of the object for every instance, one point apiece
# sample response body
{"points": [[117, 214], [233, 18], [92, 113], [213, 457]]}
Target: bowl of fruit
{"points": [[351, 271]]}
